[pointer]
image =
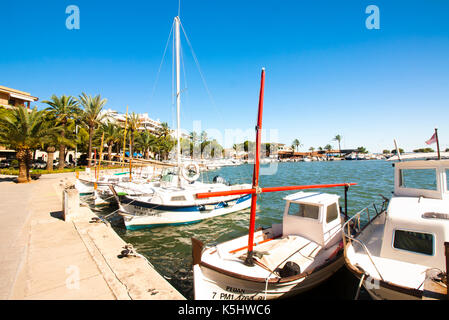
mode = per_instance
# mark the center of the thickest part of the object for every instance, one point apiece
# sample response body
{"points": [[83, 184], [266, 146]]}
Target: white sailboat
{"points": [[286, 259], [174, 202], [401, 249]]}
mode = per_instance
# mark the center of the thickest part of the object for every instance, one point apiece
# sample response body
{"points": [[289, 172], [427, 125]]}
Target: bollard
{"points": [[70, 204]]}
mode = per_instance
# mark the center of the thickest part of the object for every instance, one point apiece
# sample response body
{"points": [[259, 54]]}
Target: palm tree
{"points": [[112, 136], [193, 136], [92, 116], [311, 149], [24, 131], [338, 138], [64, 109], [296, 144], [164, 130], [133, 127], [145, 140], [51, 141]]}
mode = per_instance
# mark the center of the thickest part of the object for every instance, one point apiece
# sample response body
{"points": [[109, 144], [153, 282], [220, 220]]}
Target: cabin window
{"points": [[332, 213], [418, 179], [178, 198], [303, 210], [413, 241]]}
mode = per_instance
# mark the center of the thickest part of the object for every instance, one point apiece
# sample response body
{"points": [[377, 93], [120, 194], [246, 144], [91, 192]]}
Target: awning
{"points": [[23, 97]]}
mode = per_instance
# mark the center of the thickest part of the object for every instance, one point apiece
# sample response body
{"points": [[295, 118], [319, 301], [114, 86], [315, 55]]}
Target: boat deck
{"points": [[269, 256]]}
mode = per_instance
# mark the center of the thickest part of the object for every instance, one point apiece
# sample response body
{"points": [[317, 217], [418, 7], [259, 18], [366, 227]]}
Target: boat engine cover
{"points": [[289, 269]]}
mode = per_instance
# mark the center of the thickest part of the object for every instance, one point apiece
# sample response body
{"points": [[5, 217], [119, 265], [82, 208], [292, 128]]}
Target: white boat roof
{"points": [[423, 155], [422, 163], [316, 198]]}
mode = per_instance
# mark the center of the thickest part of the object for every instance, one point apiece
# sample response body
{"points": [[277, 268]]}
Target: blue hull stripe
{"points": [[149, 226], [126, 200]]}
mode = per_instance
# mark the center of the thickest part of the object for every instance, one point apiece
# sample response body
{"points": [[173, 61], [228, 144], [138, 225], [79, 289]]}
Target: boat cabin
{"points": [[422, 179], [417, 219], [314, 216]]}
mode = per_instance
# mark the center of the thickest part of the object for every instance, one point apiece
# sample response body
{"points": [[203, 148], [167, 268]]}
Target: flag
{"points": [[433, 139]]}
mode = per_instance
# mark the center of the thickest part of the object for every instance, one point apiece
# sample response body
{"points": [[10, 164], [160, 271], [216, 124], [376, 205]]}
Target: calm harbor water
{"points": [[169, 248]]}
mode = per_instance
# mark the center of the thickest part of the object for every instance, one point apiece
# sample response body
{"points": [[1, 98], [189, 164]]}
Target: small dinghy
{"points": [[286, 259]]}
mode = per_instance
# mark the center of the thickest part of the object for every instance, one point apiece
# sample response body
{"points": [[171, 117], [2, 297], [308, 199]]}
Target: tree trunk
{"points": [[21, 156], [62, 152], [147, 154], [50, 161], [28, 161], [89, 155], [110, 151]]}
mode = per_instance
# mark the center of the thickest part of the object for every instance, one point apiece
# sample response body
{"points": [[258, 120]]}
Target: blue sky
{"points": [[326, 73]]}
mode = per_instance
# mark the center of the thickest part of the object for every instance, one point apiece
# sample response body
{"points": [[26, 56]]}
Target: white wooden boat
{"points": [[392, 253], [176, 206], [290, 258]]}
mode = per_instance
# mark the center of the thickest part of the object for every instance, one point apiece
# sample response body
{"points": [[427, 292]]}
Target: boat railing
{"points": [[353, 227]]}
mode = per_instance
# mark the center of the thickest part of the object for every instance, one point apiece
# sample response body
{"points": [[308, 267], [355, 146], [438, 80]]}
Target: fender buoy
{"points": [[186, 172]]}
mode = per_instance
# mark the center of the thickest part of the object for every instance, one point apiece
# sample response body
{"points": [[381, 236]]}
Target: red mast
{"points": [[252, 221], [255, 187]]}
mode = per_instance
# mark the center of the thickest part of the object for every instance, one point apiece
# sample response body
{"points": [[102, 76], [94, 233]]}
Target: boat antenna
{"points": [[249, 258], [397, 150]]}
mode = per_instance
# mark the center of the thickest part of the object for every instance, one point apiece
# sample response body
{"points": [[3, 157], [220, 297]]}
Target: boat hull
{"points": [[210, 284], [143, 215], [383, 290]]}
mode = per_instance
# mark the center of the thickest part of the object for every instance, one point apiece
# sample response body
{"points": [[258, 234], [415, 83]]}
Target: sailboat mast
{"points": [[249, 259], [178, 98]]}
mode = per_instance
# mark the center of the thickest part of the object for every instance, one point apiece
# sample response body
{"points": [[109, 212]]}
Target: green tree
{"points": [[92, 116], [338, 138], [24, 131], [64, 109], [362, 150], [423, 150], [296, 144], [145, 141], [112, 136], [133, 127], [400, 151], [164, 130], [328, 147]]}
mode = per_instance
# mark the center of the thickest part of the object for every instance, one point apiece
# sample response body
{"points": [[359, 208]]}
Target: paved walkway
{"points": [[44, 257]]}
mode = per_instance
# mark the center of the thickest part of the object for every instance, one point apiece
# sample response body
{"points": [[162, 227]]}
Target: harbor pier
{"points": [[43, 256]]}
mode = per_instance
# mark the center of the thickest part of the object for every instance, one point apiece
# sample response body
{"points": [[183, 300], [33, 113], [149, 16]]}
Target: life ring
{"points": [[186, 172]]}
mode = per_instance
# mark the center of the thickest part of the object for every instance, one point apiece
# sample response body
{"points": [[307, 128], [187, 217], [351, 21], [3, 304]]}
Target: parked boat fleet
{"points": [[398, 249]]}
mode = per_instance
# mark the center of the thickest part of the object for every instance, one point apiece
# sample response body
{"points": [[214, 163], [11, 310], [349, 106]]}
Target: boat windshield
{"points": [[303, 210], [418, 179]]}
